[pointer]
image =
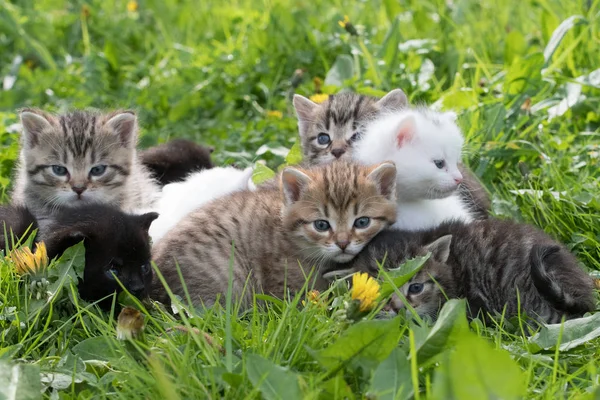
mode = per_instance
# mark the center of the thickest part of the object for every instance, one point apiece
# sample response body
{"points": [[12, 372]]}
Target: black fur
{"points": [[112, 239], [176, 159], [16, 223], [489, 261]]}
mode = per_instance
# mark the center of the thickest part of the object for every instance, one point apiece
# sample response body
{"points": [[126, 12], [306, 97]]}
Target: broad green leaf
{"points": [[559, 33], [342, 69], [514, 45], [575, 332], [336, 388], [399, 276], [19, 381], [9, 352], [110, 52], [475, 370], [392, 378], [261, 173], [94, 349], [273, 381], [294, 157], [452, 320], [369, 340]]}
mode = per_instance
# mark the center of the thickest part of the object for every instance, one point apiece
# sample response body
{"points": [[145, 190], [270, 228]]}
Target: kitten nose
{"points": [[458, 180], [342, 244], [78, 189], [338, 152]]}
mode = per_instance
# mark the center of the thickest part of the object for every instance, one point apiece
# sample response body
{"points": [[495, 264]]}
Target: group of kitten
{"points": [[381, 180]]}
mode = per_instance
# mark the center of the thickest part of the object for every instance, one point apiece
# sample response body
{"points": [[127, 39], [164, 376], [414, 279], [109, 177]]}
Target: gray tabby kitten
{"points": [[79, 158], [329, 130], [491, 263]]}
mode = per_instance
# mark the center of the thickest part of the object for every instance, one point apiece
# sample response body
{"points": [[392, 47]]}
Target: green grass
{"points": [[211, 71]]}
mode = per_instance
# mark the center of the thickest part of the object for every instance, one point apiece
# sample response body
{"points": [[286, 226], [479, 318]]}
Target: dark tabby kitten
{"points": [[328, 132], [116, 246], [489, 263], [175, 160]]}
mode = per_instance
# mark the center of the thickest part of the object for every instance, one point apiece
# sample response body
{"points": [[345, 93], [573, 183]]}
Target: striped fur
{"points": [[276, 241], [491, 263], [343, 118], [80, 141]]}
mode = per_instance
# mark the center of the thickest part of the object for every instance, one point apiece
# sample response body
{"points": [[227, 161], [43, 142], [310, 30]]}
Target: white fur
{"points": [[426, 194], [180, 198]]}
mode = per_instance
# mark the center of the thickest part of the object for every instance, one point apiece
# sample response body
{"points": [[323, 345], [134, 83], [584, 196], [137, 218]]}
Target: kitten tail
{"points": [[546, 262]]}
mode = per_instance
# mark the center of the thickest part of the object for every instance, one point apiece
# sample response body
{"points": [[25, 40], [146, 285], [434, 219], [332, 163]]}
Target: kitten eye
{"points": [[355, 137], [415, 288], [362, 222], [323, 138], [59, 170], [146, 269], [439, 163], [112, 273], [321, 225], [98, 170]]}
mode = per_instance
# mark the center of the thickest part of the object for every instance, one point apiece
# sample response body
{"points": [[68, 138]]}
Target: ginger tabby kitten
{"points": [[320, 215]]}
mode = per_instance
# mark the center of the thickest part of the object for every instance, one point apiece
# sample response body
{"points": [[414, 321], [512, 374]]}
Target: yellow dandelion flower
{"points": [[366, 290], [274, 114], [130, 324], [132, 6], [312, 296], [28, 262], [345, 22], [319, 98], [597, 283]]}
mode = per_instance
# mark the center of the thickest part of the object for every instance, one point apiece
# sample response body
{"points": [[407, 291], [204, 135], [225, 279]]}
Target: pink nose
{"points": [[342, 244], [458, 180], [78, 189]]}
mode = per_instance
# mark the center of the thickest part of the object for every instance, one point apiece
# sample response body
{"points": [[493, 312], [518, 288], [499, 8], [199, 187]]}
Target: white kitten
{"points": [[426, 147], [180, 198]]}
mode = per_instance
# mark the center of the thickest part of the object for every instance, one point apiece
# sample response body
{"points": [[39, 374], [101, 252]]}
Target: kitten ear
{"points": [[33, 126], [304, 107], [451, 115], [293, 182], [145, 220], [406, 131], [124, 125], [394, 100], [384, 176], [440, 248]]}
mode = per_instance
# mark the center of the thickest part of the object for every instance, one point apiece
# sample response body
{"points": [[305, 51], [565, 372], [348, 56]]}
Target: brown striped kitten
{"points": [[320, 215], [328, 130], [81, 157]]}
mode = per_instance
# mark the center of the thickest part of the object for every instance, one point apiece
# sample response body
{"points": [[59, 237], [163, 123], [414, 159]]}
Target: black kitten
{"points": [[116, 247], [16, 224], [489, 263], [176, 159]]}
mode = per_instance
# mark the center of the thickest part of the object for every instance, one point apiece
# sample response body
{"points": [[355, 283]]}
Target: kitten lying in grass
{"points": [[321, 215], [426, 147], [116, 245], [175, 160], [79, 158], [180, 198], [333, 129], [493, 264]]}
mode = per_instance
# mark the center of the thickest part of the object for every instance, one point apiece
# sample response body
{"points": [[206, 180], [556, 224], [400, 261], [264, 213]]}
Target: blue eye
{"points": [[146, 269], [355, 137], [439, 163], [323, 138], [415, 288], [59, 170], [321, 225], [112, 273], [362, 222], [98, 170]]}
